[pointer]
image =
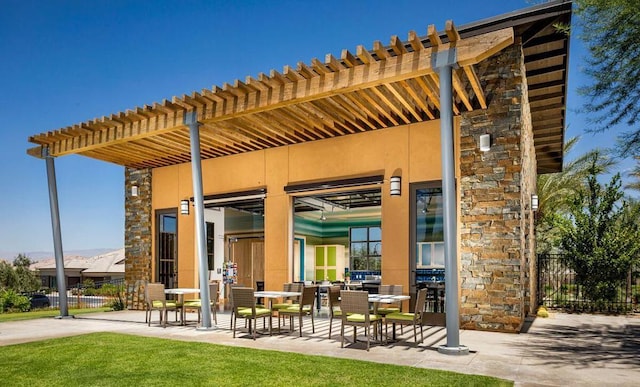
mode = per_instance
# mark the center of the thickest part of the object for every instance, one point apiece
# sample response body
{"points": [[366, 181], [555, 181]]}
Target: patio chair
{"points": [[288, 301], [214, 294], [392, 307], [157, 300], [244, 306], [334, 305], [414, 318], [354, 305], [303, 308]]}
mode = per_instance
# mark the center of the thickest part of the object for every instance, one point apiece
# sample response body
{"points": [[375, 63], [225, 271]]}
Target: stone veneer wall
{"points": [[137, 225], [529, 176], [494, 274]]}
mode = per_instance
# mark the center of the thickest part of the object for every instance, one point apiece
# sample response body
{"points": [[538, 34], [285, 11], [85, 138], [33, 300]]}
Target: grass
{"points": [[110, 359], [40, 313]]}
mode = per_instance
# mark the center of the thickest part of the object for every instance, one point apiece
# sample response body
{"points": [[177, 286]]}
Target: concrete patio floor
{"points": [[562, 350]]}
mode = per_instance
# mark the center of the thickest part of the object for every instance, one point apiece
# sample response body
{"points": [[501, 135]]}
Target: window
{"points": [[429, 231], [365, 248], [210, 245]]}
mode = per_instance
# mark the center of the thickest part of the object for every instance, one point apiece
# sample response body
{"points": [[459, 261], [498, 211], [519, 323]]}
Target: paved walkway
{"points": [[565, 349]]}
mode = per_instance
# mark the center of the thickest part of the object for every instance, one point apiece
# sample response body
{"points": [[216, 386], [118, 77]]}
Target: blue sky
{"points": [[65, 62]]}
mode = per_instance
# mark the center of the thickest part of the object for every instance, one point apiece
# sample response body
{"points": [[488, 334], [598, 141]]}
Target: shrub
{"points": [[10, 301]]}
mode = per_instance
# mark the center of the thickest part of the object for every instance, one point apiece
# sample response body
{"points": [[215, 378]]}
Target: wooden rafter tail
{"points": [[348, 58], [415, 41], [452, 33], [397, 45], [364, 55], [333, 63], [380, 50], [434, 38]]}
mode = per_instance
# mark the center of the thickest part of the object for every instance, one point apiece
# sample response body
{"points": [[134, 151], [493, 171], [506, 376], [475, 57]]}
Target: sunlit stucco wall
{"points": [[411, 151]]}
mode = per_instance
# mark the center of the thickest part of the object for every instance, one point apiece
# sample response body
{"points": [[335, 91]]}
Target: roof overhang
{"points": [[363, 91]]}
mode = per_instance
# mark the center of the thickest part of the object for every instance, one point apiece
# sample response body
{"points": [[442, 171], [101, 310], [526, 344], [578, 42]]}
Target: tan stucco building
{"points": [[297, 165]]}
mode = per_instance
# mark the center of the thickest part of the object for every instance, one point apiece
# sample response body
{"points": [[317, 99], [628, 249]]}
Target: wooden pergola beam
{"points": [[350, 74]]}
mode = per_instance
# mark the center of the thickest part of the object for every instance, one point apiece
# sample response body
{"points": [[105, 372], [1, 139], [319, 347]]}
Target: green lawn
{"points": [[39, 313], [109, 359]]}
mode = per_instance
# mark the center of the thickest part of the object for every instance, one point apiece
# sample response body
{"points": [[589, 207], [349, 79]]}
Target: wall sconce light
{"points": [[534, 202], [134, 190], [184, 207], [485, 142], [395, 184]]}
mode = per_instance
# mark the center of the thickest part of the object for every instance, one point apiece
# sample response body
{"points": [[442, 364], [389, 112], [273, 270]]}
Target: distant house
{"points": [[99, 268]]}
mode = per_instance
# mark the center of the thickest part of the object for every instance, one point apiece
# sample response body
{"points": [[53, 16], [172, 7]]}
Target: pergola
{"points": [[421, 78], [371, 89]]}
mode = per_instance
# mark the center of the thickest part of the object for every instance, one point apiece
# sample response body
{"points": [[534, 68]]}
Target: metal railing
{"points": [[96, 295], [559, 288]]}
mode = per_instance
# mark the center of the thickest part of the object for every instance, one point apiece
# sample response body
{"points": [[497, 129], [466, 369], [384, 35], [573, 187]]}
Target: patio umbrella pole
{"points": [[191, 119], [57, 234], [443, 62]]}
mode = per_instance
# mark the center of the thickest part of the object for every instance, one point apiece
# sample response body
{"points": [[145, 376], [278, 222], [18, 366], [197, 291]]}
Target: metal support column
{"points": [[57, 235], [443, 62], [191, 119]]}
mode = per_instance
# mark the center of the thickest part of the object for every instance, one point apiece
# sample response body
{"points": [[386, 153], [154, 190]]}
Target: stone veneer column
{"points": [[494, 271], [137, 225]]}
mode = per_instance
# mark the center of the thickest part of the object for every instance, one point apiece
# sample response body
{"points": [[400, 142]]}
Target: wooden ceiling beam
{"points": [[459, 88], [419, 101], [388, 102], [354, 110], [404, 100], [476, 86], [377, 106], [372, 113]]}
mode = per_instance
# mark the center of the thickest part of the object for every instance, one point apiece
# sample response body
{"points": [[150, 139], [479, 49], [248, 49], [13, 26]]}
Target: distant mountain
{"points": [[35, 256]]}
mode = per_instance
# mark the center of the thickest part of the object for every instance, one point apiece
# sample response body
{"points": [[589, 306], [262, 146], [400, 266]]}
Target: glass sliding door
{"points": [[167, 247]]}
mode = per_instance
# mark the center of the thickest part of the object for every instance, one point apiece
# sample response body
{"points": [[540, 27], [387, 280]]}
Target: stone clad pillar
{"points": [[137, 225], [496, 259]]}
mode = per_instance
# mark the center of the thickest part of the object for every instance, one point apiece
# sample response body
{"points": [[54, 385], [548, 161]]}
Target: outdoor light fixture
{"points": [[134, 190], [534, 202], [485, 142], [184, 207], [395, 185]]}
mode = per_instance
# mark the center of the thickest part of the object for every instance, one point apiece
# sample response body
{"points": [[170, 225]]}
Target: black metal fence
{"points": [[91, 295], [558, 288]]}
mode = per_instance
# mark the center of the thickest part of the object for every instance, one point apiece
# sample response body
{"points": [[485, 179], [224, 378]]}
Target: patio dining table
{"points": [[181, 292], [271, 294]]}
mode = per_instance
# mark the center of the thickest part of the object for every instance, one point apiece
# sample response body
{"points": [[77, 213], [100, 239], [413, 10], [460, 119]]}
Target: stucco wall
{"points": [[412, 151]]}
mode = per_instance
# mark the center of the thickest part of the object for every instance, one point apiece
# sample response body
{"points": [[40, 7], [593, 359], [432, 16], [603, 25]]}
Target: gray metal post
{"points": [[57, 235], [444, 62], [191, 119]]}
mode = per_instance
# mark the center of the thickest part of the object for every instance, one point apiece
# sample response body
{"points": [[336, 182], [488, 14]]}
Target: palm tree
{"points": [[635, 185], [555, 191]]}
